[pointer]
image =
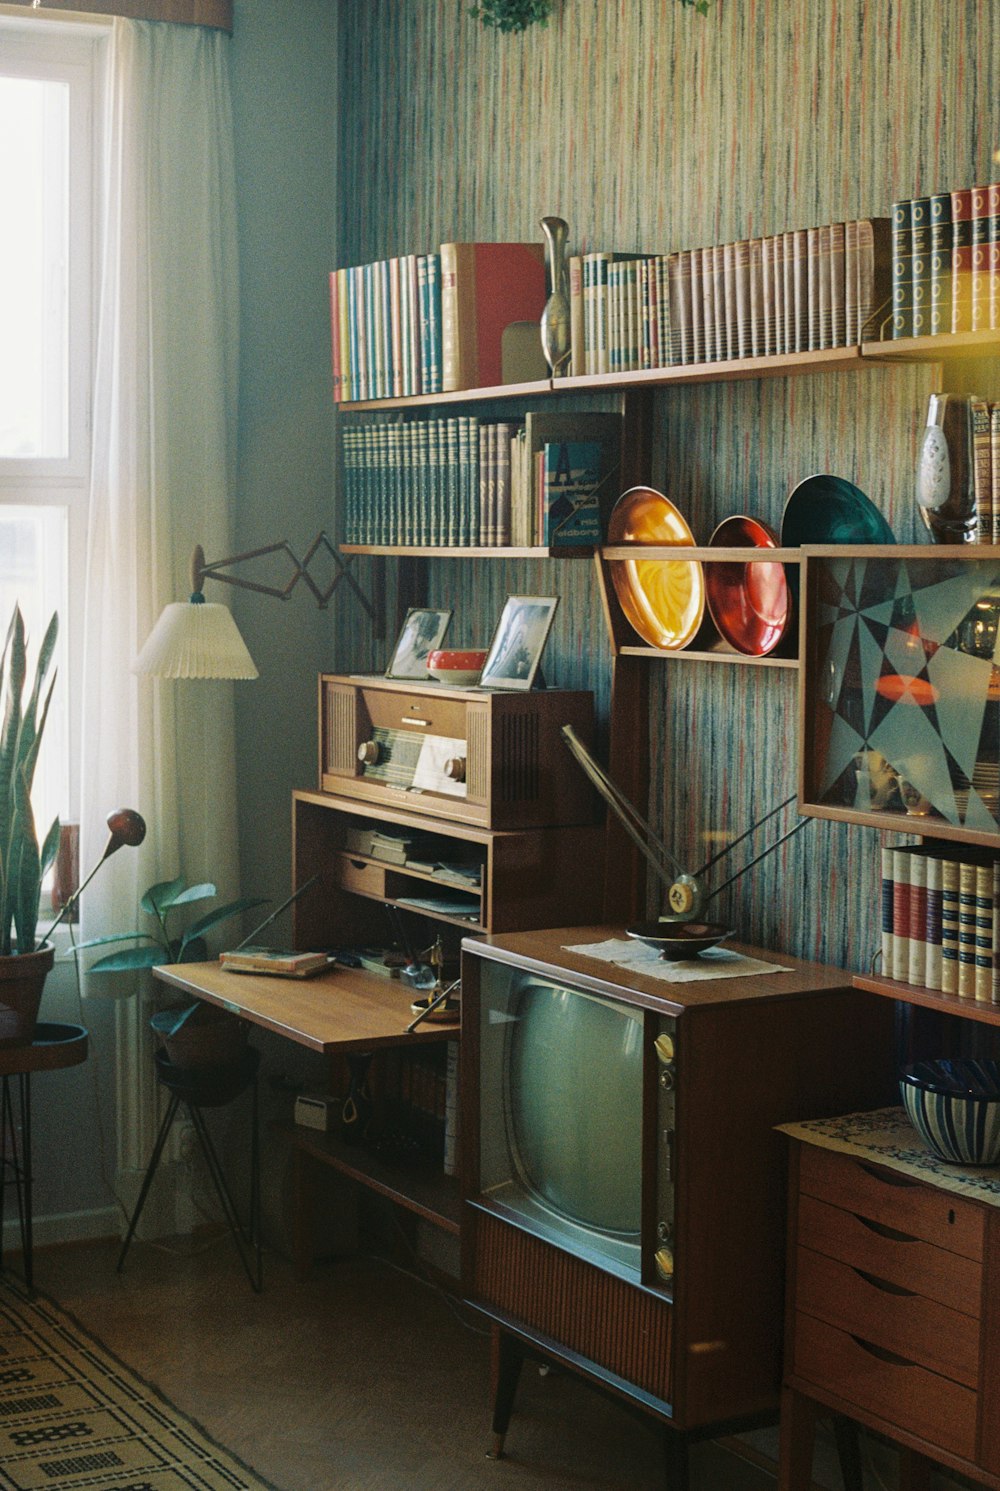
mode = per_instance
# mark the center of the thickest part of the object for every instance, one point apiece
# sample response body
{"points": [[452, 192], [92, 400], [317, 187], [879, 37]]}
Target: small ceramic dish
{"points": [[677, 940], [458, 669], [749, 603]]}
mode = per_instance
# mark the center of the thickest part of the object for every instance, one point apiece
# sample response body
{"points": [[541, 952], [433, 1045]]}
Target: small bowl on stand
{"points": [[455, 669], [676, 941]]}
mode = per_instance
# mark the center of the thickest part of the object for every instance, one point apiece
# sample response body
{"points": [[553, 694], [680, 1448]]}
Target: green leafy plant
{"points": [[164, 945], [512, 15], [22, 862], [701, 6]]}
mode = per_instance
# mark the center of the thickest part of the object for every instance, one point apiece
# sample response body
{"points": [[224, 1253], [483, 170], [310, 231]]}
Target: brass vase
{"points": [[555, 317]]}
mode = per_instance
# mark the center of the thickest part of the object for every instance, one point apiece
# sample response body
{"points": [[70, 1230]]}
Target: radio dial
{"points": [[455, 769], [369, 753]]}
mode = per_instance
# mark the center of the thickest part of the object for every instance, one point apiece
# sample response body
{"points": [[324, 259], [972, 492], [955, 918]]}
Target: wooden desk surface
{"points": [[346, 1010]]}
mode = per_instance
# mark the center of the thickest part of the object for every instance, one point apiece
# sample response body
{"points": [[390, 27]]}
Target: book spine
{"points": [[634, 320], [800, 292], [710, 315], [679, 272], [941, 250], [788, 288], [901, 914], [397, 513], [335, 337], [577, 355], [888, 953], [487, 498], [454, 356], [413, 325], [435, 351], [615, 318], [812, 286], [756, 307], [984, 932], [932, 970], [344, 313], [961, 260], [361, 331], [995, 979], [902, 279], [422, 500], [408, 462], [852, 332], [729, 336], [980, 281], [949, 925], [916, 968], [469, 458], [741, 272], [602, 359], [875, 273], [504, 436], [396, 327], [767, 346], [778, 291], [663, 299], [995, 469], [697, 301], [380, 365], [994, 255], [823, 287], [717, 266], [967, 929], [920, 265], [982, 469], [838, 308]]}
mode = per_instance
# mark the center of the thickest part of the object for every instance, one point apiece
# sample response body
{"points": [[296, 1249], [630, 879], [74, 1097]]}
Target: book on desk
{"points": [[282, 962]]}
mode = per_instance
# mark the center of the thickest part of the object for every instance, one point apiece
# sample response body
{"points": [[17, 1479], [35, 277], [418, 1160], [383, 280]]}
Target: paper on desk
{"points": [[717, 962]]}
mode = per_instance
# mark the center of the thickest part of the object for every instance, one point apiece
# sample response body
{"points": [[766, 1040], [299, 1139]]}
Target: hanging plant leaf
{"points": [[512, 15]]}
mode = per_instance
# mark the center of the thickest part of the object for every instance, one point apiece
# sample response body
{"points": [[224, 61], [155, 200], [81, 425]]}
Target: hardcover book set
{"points": [[946, 262]]}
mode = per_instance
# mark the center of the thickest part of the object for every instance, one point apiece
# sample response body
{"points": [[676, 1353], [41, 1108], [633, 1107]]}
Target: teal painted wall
{"points": [[647, 126]]}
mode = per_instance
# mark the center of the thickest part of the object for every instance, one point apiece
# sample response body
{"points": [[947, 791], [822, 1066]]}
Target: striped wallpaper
{"points": [[649, 127]]}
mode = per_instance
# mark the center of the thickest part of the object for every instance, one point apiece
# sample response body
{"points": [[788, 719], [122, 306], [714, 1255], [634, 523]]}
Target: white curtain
{"points": [[162, 480]]}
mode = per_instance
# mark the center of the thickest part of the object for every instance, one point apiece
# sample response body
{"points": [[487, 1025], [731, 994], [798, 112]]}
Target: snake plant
{"points": [[22, 863]]}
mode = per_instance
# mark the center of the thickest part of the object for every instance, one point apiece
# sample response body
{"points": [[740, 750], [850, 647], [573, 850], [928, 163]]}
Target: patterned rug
{"points": [[73, 1417]]}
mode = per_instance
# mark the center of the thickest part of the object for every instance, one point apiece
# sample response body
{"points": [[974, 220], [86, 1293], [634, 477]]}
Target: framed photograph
{"points": [[422, 632], [518, 642]]}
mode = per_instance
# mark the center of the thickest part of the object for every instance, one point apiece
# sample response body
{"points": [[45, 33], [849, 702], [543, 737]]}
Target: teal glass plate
{"points": [[826, 509]]}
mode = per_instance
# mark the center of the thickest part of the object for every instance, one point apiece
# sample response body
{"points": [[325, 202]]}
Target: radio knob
{"points": [[455, 769], [369, 753], [664, 1047], [663, 1258]]}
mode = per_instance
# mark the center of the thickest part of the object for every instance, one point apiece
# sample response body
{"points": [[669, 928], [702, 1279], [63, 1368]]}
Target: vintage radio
{"points": [[490, 758]]}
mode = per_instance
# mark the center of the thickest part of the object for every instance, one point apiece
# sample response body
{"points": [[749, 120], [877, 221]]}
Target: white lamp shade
{"points": [[195, 640]]}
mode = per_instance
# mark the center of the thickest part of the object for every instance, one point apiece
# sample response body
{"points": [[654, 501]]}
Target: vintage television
{"points": [[624, 1180], [470, 755]]}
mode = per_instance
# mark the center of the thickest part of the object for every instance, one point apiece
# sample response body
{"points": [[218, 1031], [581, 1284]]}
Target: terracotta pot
{"points": [[22, 979], [209, 1037]]}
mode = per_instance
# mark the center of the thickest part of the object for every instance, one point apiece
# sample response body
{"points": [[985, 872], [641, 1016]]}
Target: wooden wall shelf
{"points": [[720, 654], [931, 999], [468, 551], [934, 349]]}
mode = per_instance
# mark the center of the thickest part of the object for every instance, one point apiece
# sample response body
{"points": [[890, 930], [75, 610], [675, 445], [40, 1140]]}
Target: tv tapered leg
{"points": [[845, 1434], [508, 1359]]}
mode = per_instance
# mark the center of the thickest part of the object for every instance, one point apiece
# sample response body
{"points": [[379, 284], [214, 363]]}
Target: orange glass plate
{"points": [[749, 603], [664, 599]]}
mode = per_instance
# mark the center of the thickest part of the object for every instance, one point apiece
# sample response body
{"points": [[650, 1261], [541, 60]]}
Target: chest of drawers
{"points": [[890, 1316]]}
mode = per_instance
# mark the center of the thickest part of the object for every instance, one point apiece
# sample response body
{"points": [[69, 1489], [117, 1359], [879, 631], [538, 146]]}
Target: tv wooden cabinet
{"points": [[893, 1316], [698, 1342]]}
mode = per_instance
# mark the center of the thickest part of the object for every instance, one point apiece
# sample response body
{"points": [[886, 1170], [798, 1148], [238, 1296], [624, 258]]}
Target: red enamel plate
{"points": [[749, 603]]}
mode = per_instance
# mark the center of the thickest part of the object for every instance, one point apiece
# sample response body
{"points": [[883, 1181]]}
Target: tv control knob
{"points": [[664, 1047], [663, 1258], [455, 769], [667, 1079], [369, 753], [663, 1232]]}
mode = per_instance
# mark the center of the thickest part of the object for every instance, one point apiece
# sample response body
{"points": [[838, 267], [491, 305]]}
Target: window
{"points": [[48, 92]]}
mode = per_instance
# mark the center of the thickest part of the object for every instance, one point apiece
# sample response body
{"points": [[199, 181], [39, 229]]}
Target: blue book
{"points": [[570, 509]]}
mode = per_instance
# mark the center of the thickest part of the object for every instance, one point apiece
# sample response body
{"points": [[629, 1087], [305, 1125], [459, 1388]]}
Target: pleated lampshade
{"points": [[195, 640]]}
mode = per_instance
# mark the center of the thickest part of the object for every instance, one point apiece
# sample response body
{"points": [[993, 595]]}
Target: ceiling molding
{"points": [[217, 14]]}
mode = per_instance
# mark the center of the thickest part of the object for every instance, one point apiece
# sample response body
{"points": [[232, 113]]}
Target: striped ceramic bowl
{"points": [[954, 1105]]}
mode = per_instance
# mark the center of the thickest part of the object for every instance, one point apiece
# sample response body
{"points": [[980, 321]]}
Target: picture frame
{"points": [[422, 631], [518, 642]]}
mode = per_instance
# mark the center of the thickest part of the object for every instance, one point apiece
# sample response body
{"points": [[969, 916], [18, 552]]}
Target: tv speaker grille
{"points": [[604, 1319]]}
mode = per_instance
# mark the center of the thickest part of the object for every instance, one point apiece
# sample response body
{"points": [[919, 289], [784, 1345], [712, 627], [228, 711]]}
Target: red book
{"points": [[484, 287], [980, 289], [961, 260]]}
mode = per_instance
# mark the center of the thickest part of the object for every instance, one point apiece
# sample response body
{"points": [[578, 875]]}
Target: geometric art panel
{"points": [[902, 690]]}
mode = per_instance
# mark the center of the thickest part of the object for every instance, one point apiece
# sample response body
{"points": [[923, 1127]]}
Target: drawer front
{"points": [[891, 1255], [357, 875], [889, 1316], [897, 1391], [885, 1196]]}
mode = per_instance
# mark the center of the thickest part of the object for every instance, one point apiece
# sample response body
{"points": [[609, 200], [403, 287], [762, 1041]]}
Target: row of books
{"points": [[459, 482], [946, 262], [619, 312], [431, 323], [941, 919], [797, 291]]}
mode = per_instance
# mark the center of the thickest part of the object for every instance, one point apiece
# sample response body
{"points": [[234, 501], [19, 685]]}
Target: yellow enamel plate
{"points": [[664, 599]]}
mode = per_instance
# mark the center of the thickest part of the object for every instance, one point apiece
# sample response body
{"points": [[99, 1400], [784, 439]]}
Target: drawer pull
{"points": [[357, 864], [417, 724], [888, 1178], [881, 1353], [883, 1231], [884, 1285]]}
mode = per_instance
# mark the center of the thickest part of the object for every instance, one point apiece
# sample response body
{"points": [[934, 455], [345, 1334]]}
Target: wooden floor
{"points": [[362, 1378]]}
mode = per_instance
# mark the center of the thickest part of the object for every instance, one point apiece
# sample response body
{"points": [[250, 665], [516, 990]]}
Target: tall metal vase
{"points": [[555, 316]]}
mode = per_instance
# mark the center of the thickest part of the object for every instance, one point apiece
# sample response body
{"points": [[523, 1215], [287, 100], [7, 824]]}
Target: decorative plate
{"points": [[676, 941], [749, 603], [826, 509], [664, 599]]}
